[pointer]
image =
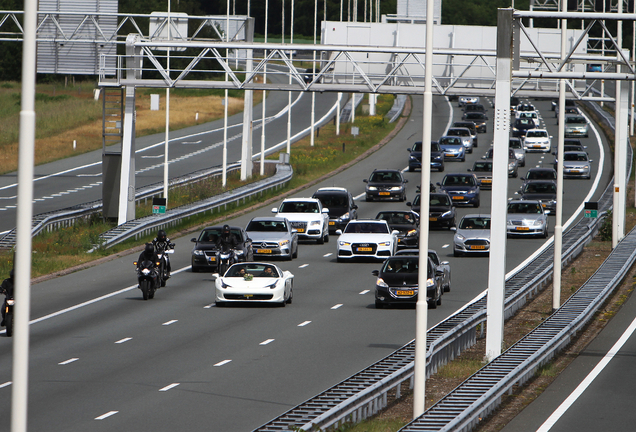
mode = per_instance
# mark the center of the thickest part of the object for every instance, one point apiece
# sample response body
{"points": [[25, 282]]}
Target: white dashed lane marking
{"points": [[223, 363], [303, 266], [108, 414], [68, 361], [123, 340], [327, 255], [266, 342], [336, 306], [364, 292], [303, 324], [7, 384], [168, 387], [169, 322]]}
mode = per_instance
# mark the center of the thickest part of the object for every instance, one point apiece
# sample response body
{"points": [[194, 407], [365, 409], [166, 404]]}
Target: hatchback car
{"points": [[272, 237], [385, 185], [576, 125], [472, 235], [577, 164], [463, 188], [520, 152], [540, 174], [204, 253], [453, 148], [406, 223], [526, 218], [415, 156], [465, 135], [537, 140], [513, 165], [397, 282], [471, 127], [483, 171], [480, 119], [366, 238], [342, 208], [441, 211], [540, 190], [476, 107], [521, 126]]}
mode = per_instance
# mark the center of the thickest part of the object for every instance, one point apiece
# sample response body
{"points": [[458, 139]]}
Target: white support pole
{"points": [[620, 157], [262, 171], [558, 223], [421, 307], [225, 102], [313, 68], [167, 139], [338, 113], [497, 261], [248, 109], [22, 264]]}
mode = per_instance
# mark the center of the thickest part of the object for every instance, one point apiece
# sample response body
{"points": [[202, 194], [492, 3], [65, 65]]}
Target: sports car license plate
{"points": [[432, 219], [522, 228], [478, 247], [458, 197], [300, 230], [332, 223], [212, 259], [385, 193], [263, 251], [405, 292], [364, 249]]}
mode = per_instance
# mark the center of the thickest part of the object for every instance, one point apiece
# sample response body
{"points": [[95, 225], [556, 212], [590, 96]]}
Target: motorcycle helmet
{"points": [[161, 236], [149, 250], [226, 231]]}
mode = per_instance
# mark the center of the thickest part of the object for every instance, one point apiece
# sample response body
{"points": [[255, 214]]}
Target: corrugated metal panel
{"points": [[417, 9], [60, 51]]}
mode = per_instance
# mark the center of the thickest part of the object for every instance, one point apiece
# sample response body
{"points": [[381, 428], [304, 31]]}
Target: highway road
{"points": [[78, 180], [103, 359]]}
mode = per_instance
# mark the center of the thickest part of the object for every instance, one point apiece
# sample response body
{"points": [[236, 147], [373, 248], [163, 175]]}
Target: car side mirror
{"points": [[274, 210], [444, 263], [193, 240], [438, 184], [214, 276], [469, 170], [590, 161], [406, 181], [439, 272], [395, 232], [339, 232], [550, 136], [325, 210], [365, 180], [409, 204], [375, 273], [453, 228], [354, 207]]}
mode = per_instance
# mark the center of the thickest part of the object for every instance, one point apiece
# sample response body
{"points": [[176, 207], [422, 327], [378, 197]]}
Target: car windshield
{"points": [[435, 147], [482, 167], [527, 208], [439, 200], [212, 234], [515, 144], [540, 188], [579, 157], [402, 265], [299, 207], [458, 180], [575, 120], [397, 217], [447, 140], [541, 175], [332, 200], [537, 134], [267, 226], [528, 115], [477, 222], [366, 228], [459, 132], [475, 116], [417, 147], [256, 270], [386, 177], [568, 148]]}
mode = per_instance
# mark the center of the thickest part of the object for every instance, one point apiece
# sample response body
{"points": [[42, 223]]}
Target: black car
{"points": [[397, 282], [521, 126], [479, 118], [415, 156], [441, 211], [406, 223], [540, 174], [386, 184], [475, 108], [205, 248], [540, 190], [341, 206]]}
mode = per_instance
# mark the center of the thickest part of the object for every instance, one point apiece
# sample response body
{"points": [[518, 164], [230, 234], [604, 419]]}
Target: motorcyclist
{"points": [[7, 288], [227, 240], [148, 254], [162, 241]]}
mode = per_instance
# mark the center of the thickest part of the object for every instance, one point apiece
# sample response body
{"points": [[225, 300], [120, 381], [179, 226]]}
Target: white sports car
{"points": [[254, 282], [367, 238]]}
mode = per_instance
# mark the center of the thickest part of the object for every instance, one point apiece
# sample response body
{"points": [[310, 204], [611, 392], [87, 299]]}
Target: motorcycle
{"points": [[162, 254], [148, 278], [8, 315], [225, 257]]}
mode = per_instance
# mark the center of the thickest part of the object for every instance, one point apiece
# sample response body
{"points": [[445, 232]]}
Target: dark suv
{"points": [[341, 207]]}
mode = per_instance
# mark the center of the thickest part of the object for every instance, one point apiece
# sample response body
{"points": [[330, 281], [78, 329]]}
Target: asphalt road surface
{"points": [[103, 359]]}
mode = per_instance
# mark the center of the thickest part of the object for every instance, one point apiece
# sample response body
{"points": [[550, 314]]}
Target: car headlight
{"points": [[537, 222], [380, 282], [438, 158], [586, 167], [283, 242], [511, 165], [411, 233], [413, 158], [372, 188], [272, 286], [515, 129], [386, 243], [396, 188], [430, 282], [239, 252], [224, 285], [197, 252], [460, 237], [344, 243], [315, 223], [344, 217]]}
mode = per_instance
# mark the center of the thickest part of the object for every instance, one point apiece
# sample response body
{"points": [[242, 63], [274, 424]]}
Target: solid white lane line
{"points": [[167, 323], [108, 414], [7, 384], [303, 324], [357, 197], [556, 415], [168, 387], [364, 292], [336, 306], [303, 266], [223, 362], [68, 361], [120, 341], [327, 255], [266, 342]]}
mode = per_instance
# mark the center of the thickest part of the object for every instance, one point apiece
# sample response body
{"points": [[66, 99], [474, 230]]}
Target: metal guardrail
{"points": [[53, 220], [365, 393], [143, 226]]}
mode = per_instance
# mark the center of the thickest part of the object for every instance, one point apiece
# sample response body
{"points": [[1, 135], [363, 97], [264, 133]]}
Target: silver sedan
{"points": [[526, 218], [577, 164], [273, 237]]}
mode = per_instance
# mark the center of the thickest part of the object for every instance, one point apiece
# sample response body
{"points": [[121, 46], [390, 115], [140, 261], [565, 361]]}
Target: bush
{"points": [[605, 231]]}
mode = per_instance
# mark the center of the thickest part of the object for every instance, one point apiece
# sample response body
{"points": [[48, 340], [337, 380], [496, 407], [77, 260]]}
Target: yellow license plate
{"points": [[544, 205], [405, 292], [364, 249], [486, 181], [458, 197], [300, 230], [536, 146], [432, 219], [385, 193], [522, 228], [478, 247], [212, 259], [575, 171], [332, 223], [263, 251], [449, 154]]}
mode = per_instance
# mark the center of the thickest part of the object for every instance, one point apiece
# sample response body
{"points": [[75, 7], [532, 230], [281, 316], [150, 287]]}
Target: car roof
{"points": [[300, 199], [221, 227], [386, 170], [477, 215], [460, 174], [522, 201], [541, 169], [332, 190], [268, 218]]}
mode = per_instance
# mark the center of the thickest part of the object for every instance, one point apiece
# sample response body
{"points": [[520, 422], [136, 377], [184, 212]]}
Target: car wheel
{"points": [[339, 260], [432, 304], [321, 240], [463, 159], [476, 205], [439, 299], [441, 168], [368, 198], [327, 238], [295, 254], [195, 269], [545, 233], [219, 304], [291, 294], [447, 288], [456, 253], [411, 169], [378, 305], [516, 174], [523, 164]]}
